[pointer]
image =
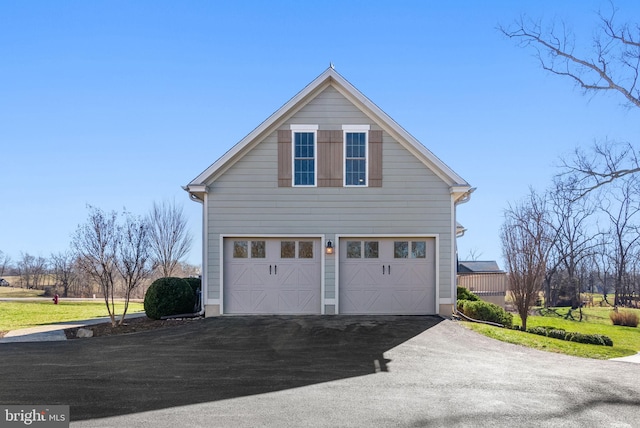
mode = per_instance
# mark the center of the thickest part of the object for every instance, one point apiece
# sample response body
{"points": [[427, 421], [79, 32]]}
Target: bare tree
{"points": [[133, 263], [95, 244], [602, 263], [526, 241], [32, 270], [612, 65], [64, 270], [622, 209], [574, 240], [5, 261], [473, 254], [170, 239]]}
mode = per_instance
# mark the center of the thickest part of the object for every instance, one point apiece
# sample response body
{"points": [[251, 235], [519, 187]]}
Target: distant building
{"points": [[484, 279]]}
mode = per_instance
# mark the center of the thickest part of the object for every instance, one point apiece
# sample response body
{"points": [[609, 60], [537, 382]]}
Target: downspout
{"points": [[466, 196], [204, 233], [200, 312]]}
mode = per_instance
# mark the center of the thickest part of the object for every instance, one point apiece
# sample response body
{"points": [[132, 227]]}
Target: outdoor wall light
{"points": [[329, 247]]}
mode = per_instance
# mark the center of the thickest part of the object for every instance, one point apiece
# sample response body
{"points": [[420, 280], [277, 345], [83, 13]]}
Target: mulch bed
{"points": [[131, 325]]}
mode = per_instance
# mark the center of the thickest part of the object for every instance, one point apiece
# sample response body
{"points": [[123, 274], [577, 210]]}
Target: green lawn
{"points": [[15, 315], [626, 340]]}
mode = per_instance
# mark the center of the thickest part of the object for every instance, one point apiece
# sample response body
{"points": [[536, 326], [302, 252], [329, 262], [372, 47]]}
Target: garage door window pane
{"points": [[305, 250], [354, 249], [240, 249], [400, 249], [370, 249], [288, 249], [419, 250], [257, 249]]}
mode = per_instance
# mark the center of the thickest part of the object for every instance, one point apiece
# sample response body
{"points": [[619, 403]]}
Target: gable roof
{"points": [[488, 266], [330, 77]]}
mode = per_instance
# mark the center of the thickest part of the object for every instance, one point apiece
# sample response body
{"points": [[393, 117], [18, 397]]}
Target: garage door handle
{"points": [[383, 269], [275, 269], [269, 269], [389, 269]]}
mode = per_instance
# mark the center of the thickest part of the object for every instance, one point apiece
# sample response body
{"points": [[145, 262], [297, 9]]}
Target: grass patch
{"points": [[19, 292], [626, 340], [16, 315]]}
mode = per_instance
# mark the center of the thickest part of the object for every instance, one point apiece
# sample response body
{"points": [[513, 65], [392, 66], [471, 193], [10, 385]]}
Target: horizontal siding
{"points": [[246, 199]]}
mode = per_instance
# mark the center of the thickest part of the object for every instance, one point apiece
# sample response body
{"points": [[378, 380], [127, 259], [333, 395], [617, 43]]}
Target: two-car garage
{"points": [[375, 275]]}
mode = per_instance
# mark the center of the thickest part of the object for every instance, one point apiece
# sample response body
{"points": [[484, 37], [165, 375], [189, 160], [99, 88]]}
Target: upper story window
{"points": [[356, 152], [304, 154]]}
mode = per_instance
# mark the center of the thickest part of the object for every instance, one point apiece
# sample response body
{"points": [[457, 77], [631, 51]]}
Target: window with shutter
{"points": [[310, 157], [356, 153]]}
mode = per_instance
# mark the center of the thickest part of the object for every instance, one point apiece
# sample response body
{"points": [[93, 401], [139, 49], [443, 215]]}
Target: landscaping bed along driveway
{"points": [[331, 371]]}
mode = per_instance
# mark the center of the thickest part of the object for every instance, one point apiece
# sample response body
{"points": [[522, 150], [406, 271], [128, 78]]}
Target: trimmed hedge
{"points": [[485, 311], [464, 294], [558, 333], [169, 296]]}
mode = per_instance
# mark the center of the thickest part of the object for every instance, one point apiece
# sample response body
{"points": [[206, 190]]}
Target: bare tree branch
{"points": [[615, 63], [603, 164]]}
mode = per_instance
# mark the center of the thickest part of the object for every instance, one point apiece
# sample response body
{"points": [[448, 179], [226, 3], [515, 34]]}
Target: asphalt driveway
{"points": [[317, 371]]}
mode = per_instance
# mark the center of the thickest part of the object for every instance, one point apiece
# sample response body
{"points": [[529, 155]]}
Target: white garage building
{"points": [[329, 207]]}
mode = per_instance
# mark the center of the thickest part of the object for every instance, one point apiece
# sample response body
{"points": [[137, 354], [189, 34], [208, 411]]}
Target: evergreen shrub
{"points": [[169, 296], [464, 294]]}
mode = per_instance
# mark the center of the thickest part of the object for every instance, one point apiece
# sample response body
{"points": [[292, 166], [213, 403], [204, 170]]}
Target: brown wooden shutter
{"points": [[284, 158], [375, 158], [329, 158]]}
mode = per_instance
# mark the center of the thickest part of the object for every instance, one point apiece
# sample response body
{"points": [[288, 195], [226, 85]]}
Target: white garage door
{"points": [[387, 276], [271, 276]]}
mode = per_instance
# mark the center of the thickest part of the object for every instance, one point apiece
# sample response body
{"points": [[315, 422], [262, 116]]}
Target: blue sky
{"points": [[118, 104]]}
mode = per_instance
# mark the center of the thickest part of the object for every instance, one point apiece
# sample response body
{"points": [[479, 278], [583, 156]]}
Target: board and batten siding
{"points": [[247, 198]]}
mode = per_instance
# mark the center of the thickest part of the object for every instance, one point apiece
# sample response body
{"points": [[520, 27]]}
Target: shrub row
{"points": [[485, 311], [558, 333], [623, 318]]}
